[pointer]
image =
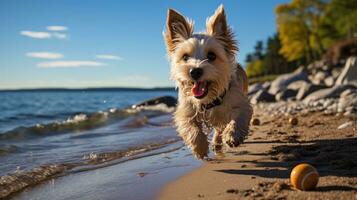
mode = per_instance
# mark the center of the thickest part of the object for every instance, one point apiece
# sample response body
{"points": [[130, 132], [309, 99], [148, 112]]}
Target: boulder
{"points": [[349, 73], [286, 94], [307, 89], [319, 77], [297, 85], [333, 92], [335, 72], [348, 103], [169, 101], [252, 89], [280, 83], [347, 92], [329, 81], [266, 85], [317, 65], [262, 96]]}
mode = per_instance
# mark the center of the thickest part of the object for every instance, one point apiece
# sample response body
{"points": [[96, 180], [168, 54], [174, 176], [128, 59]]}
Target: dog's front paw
{"points": [[200, 146], [217, 148], [216, 144], [231, 136]]}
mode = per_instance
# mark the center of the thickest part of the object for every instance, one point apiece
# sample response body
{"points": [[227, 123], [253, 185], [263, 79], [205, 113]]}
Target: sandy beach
{"points": [[260, 168]]}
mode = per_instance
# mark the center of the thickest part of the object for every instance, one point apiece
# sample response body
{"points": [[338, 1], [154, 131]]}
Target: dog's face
{"points": [[201, 63]]}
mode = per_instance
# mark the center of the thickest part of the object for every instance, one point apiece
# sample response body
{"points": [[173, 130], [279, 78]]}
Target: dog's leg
{"points": [[217, 140], [190, 131], [237, 129]]}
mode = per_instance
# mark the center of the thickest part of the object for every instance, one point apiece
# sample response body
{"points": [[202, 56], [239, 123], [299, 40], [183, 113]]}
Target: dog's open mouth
{"points": [[200, 89]]}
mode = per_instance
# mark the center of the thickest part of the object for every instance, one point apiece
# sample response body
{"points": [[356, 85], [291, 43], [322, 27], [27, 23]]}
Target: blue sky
{"points": [[108, 43]]}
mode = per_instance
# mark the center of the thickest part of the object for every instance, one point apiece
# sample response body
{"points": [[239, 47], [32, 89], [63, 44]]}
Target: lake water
{"points": [[44, 133]]}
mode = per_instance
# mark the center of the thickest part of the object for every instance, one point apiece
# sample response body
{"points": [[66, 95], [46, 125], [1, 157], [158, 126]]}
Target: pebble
{"points": [[293, 121], [142, 174], [256, 122], [234, 191], [345, 125]]}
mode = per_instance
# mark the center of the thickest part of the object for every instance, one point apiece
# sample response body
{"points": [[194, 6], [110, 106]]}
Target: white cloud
{"points": [[57, 28], [37, 35], [43, 35], [69, 64], [44, 55], [59, 35], [108, 57]]}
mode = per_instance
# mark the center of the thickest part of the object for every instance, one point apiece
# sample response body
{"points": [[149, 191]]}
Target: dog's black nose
{"points": [[196, 73]]}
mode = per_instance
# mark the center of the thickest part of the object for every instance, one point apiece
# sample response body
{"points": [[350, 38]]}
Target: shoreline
{"points": [[134, 179], [260, 168]]}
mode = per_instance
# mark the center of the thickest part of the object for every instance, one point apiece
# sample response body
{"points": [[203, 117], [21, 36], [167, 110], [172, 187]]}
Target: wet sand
{"points": [[139, 179], [260, 168]]}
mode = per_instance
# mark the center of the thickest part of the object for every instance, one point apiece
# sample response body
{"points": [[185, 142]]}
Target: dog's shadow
{"points": [[331, 188], [270, 173]]}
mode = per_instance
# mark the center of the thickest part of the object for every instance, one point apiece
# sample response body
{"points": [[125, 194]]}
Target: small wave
{"points": [[76, 123], [6, 149], [28, 115], [82, 122], [17, 181]]}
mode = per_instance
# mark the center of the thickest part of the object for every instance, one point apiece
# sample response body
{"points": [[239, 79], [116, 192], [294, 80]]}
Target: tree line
{"points": [[306, 29]]}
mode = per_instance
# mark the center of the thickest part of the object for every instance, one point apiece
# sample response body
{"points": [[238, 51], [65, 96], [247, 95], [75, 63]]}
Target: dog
{"points": [[212, 87]]}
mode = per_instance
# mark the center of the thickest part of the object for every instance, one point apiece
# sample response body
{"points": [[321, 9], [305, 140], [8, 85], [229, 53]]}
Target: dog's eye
{"points": [[211, 56], [185, 57]]}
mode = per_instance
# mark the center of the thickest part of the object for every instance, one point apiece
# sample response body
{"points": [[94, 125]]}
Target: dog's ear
{"points": [[217, 26], [178, 29]]}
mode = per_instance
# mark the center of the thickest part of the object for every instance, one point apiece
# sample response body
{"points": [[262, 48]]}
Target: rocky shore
{"points": [[331, 89]]}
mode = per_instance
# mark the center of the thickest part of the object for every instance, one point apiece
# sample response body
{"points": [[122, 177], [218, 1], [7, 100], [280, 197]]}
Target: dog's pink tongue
{"points": [[198, 89]]}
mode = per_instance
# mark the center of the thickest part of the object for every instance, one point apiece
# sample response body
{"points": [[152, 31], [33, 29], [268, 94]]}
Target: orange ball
{"points": [[293, 121], [255, 122], [304, 177]]}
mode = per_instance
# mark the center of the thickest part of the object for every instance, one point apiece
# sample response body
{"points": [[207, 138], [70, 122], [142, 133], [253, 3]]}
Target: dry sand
{"points": [[260, 168]]}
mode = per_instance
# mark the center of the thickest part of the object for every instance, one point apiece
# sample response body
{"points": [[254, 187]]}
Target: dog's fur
{"points": [[230, 120]]}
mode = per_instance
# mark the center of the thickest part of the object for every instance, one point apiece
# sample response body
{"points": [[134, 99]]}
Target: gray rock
{"points": [[297, 85], [280, 83], [345, 125], [262, 96], [326, 67], [347, 103], [349, 73], [252, 89], [307, 89], [336, 72], [266, 85], [347, 92], [319, 64], [169, 101], [333, 92], [319, 77], [329, 81], [286, 94], [327, 103]]}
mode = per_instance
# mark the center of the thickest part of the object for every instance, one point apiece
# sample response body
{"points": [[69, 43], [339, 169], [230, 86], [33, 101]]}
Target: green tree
{"points": [[339, 21], [255, 68], [259, 50], [274, 62], [298, 24], [249, 58]]}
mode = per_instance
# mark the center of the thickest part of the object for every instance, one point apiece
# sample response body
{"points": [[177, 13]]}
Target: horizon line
{"points": [[89, 89]]}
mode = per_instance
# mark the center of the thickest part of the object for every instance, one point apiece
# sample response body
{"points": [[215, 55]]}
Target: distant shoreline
{"points": [[101, 89]]}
